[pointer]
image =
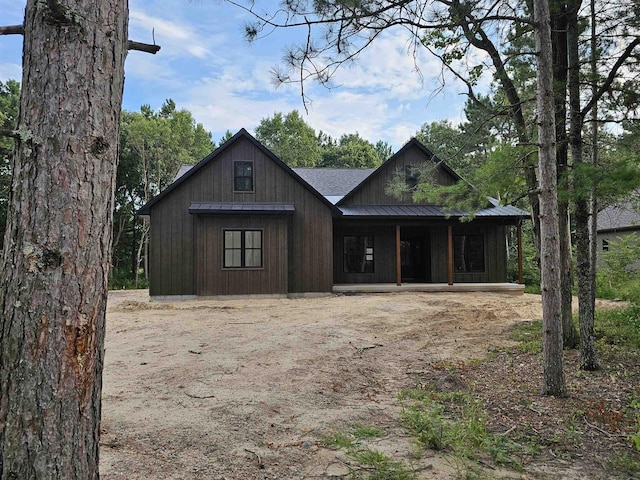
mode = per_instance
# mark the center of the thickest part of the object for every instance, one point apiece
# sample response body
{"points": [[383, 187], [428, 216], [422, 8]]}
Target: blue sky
{"points": [[206, 66]]}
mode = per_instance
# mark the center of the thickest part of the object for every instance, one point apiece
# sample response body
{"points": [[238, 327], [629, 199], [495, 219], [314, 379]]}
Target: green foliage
{"points": [[227, 135], [371, 464], [351, 151], [291, 139], [383, 150], [455, 422], [9, 101], [352, 437], [153, 146], [529, 335], [377, 466], [614, 277], [619, 327]]}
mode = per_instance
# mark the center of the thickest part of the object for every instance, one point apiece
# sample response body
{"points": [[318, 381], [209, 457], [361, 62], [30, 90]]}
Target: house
{"points": [[243, 222], [616, 222]]}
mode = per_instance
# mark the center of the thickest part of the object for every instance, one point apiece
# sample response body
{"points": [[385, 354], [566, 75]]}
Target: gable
{"points": [[372, 190], [214, 178]]}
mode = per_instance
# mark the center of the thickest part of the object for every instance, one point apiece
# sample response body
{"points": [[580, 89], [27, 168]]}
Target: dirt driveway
{"points": [[244, 389]]}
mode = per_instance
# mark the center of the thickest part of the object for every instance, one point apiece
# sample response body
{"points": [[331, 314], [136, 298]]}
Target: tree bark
{"points": [[559, 46], [55, 265], [553, 378], [586, 207]]}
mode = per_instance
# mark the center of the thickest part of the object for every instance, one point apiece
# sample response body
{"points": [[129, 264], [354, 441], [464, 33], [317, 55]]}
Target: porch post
{"points": [[520, 274], [450, 254], [398, 262]]}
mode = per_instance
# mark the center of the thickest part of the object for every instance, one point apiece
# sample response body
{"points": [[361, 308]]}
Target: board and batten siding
{"points": [[213, 279], [373, 192], [309, 258]]}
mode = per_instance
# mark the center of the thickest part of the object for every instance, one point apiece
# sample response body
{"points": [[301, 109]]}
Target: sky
{"points": [[207, 67]]}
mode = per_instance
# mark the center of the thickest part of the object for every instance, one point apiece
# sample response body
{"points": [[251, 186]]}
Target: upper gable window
{"points": [[242, 176], [411, 176]]}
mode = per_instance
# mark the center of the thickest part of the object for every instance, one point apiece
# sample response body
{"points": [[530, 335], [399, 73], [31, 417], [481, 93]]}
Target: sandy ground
{"points": [[245, 389]]}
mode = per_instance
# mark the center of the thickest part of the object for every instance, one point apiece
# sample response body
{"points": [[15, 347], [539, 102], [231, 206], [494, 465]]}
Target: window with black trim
{"points": [[243, 249], [411, 176], [358, 254], [242, 176], [468, 253]]}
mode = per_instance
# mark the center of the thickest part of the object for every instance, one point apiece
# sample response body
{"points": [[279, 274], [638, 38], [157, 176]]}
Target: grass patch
{"points": [[454, 422], [528, 335], [620, 327], [373, 465], [368, 463]]}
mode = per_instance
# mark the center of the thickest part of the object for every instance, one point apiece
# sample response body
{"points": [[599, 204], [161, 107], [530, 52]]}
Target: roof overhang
{"points": [[502, 213], [235, 208]]}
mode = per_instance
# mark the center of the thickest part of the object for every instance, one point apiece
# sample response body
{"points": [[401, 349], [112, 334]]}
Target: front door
{"points": [[414, 257]]}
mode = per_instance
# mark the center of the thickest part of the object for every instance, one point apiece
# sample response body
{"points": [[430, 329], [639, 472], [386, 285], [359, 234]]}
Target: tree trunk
{"points": [[587, 299], [559, 46], [553, 382], [55, 265]]}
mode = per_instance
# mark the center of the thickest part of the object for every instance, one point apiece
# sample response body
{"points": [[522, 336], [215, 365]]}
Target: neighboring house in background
{"points": [[616, 222], [243, 222]]}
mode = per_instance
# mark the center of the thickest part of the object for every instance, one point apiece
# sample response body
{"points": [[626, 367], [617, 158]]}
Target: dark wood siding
{"points": [[373, 192], [172, 227], [213, 279]]}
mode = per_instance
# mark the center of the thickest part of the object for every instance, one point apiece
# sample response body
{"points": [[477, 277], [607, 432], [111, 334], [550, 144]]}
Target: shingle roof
{"points": [[236, 208], [334, 182], [619, 217], [428, 211]]}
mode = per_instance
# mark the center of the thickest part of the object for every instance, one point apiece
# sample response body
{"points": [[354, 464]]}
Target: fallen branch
{"points": [[366, 347], [508, 431], [199, 397], [260, 464]]}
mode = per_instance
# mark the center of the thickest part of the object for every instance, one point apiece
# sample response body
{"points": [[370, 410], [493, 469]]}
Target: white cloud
{"points": [[10, 71]]}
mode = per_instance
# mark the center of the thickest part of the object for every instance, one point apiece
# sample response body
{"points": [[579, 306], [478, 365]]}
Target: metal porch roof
{"points": [[235, 208], [427, 211]]}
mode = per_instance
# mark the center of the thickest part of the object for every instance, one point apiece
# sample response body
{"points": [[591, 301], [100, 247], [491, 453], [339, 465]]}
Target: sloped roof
{"points": [[619, 217], [413, 143], [428, 211], [334, 181], [146, 209]]}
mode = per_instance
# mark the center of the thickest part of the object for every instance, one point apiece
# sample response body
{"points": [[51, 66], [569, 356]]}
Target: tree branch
{"points": [[8, 133], [611, 77], [142, 47], [12, 30]]}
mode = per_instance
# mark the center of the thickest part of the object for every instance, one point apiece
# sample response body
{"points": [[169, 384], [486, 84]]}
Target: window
{"points": [[243, 249], [411, 176], [243, 176], [468, 253], [605, 245], [358, 254]]}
